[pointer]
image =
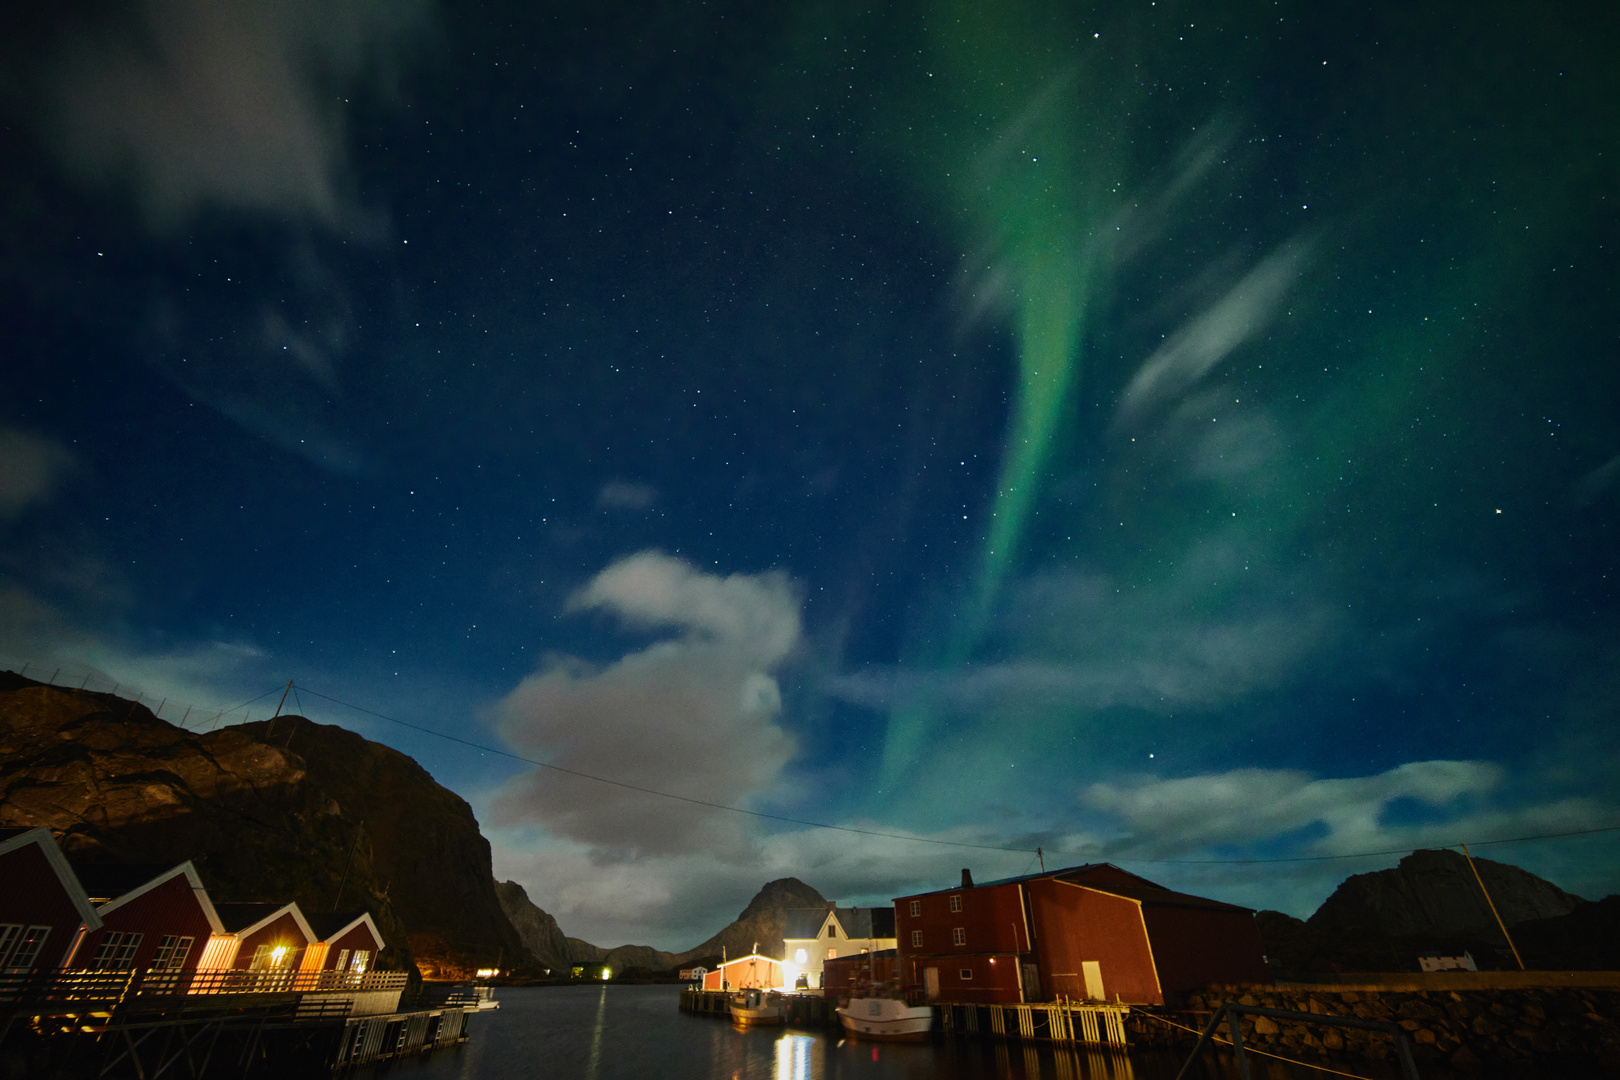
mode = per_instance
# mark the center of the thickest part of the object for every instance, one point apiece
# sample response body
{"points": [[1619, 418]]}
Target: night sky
{"points": [[1153, 432]]}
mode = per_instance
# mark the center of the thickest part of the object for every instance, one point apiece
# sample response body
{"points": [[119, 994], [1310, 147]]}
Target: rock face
{"points": [[762, 921], [540, 933], [289, 810], [1435, 893]]}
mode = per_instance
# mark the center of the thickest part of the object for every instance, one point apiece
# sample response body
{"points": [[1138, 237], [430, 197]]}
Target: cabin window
{"points": [[19, 948], [916, 939], [916, 908], [956, 903], [171, 953], [342, 960], [362, 960], [116, 952], [958, 935], [832, 930], [832, 954], [966, 974]]}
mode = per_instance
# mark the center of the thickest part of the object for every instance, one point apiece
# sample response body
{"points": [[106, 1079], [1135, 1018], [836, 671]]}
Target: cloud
{"points": [[1205, 341], [236, 104], [1086, 644], [623, 495], [694, 714], [30, 467]]}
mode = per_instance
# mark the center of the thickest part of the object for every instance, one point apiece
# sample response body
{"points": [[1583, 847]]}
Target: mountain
{"points": [[762, 921], [1435, 893], [280, 810], [540, 933], [1431, 903]]}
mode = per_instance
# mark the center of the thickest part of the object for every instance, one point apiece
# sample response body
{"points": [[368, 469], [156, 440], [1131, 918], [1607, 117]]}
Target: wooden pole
{"points": [[283, 700], [1492, 904]]}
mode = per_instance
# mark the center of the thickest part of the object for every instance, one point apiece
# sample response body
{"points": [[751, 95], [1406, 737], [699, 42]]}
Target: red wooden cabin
{"points": [[154, 917], [43, 907], [345, 941]]}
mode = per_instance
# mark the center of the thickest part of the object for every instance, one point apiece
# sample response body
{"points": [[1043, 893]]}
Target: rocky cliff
{"points": [[540, 933], [289, 810]]}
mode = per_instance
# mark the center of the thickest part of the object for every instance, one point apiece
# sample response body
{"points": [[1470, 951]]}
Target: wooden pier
{"points": [[1084, 1023]]}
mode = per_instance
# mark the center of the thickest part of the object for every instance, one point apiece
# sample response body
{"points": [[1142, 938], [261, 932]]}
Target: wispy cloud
{"points": [[1207, 339], [30, 468], [237, 104], [626, 495]]}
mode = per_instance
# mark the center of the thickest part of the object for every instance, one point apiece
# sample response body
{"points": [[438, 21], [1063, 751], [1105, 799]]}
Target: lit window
{"points": [[916, 939], [24, 946], [171, 953], [966, 974], [362, 960], [916, 908], [342, 960], [116, 952], [958, 935], [956, 903]]}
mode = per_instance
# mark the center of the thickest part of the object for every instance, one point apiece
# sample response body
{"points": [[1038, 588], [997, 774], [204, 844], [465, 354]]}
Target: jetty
{"points": [[1095, 1023]]}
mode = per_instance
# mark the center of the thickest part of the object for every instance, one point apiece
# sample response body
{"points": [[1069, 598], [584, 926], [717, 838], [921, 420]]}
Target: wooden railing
{"points": [[110, 987]]}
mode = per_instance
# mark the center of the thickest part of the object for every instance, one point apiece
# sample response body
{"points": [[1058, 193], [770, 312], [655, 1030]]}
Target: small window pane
{"points": [[916, 939], [956, 903], [958, 936], [916, 908], [966, 974]]}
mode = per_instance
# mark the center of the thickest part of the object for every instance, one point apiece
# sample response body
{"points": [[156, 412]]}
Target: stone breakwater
{"points": [[1465, 1028]]}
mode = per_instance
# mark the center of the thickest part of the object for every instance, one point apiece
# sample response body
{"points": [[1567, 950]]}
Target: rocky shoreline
{"points": [[1465, 1028]]}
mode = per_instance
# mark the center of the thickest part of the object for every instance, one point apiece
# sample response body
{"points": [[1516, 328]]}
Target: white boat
{"points": [[756, 1007], [886, 1018]]}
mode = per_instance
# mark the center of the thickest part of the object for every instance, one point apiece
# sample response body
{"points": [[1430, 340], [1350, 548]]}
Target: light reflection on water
{"points": [[636, 1032]]}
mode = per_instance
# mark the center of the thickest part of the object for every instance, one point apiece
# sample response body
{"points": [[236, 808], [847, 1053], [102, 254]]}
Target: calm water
{"points": [[637, 1032]]}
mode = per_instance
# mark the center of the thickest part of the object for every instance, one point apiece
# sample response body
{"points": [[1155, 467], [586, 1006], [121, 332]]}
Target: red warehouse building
{"points": [[154, 917], [43, 908], [1088, 932]]}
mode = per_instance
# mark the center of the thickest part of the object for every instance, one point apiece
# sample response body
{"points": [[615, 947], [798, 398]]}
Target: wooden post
{"points": [[1492, 904]]}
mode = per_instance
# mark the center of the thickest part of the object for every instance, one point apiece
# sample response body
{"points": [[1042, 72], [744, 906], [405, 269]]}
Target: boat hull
{"points": [[756, 1017], [885, 1020]]}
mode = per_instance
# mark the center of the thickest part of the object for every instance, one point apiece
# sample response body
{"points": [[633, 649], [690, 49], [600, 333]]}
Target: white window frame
{"points": [[956, 902], [360, 961], [916, 908], [958, 935], [965, 974], [116, 951], [172, 952], [342, 960], [916, 939], [29, 944], [10, 935]]}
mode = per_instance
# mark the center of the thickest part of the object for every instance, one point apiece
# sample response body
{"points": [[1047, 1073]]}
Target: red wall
{"points": [[995, 978], [171, 908], [1075, 924], [33, 895], [358, 938], [992, 915], [283, 931], [1198, 946]]}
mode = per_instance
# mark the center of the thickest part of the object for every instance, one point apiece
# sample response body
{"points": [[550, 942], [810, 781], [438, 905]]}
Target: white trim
{"points": [[291, 907], [365, 917], [190, 872], [64, 873]]}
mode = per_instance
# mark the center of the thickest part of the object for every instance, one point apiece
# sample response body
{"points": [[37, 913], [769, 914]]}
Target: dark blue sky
{"points": [[1148, 432]]}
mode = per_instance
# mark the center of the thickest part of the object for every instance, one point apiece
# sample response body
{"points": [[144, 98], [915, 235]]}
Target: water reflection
{"points": [[793, 1057], [595, 1062]]}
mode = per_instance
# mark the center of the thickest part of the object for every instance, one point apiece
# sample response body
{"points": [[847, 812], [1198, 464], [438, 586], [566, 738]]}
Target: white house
{"points": [[816, 934]]}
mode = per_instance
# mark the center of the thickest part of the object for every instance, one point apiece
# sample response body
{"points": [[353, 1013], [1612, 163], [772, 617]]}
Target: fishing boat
{"points": [[750, 1007], [885, 1017]]}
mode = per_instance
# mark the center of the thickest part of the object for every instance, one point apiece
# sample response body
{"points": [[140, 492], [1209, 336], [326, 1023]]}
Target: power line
{"points": [[902, 836]]}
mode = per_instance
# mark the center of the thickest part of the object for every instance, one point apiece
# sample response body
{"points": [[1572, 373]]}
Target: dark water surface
{"points": [[636, 1032]]}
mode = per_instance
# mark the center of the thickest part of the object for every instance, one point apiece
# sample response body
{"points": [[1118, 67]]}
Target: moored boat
{"points": [[888, 1019], [756, 1007]]}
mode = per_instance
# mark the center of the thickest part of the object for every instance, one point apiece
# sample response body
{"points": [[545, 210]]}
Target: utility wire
{"points": [[902, 836]]}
